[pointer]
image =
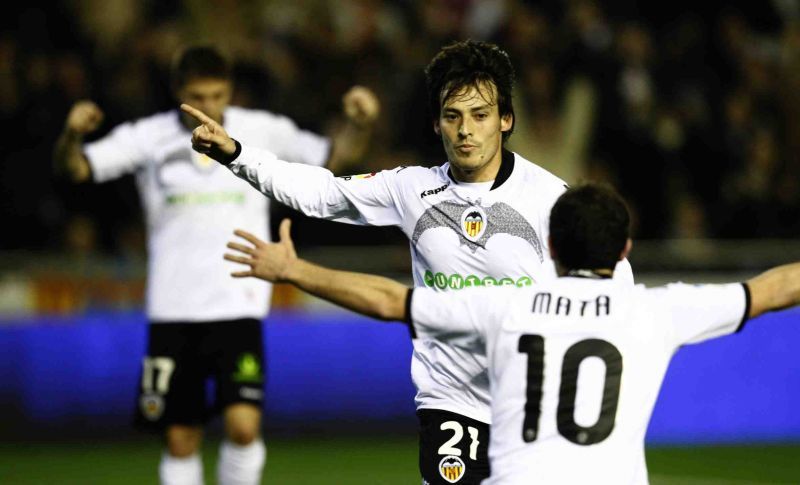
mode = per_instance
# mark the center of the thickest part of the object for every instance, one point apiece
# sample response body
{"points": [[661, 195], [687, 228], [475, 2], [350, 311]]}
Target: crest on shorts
{"points": [[473, 222], [248, 369], [152, 406], [452, 468]]}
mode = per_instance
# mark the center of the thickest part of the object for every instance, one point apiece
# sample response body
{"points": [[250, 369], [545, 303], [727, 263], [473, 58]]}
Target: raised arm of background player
{"points": [[350, 143], [385, 299]]}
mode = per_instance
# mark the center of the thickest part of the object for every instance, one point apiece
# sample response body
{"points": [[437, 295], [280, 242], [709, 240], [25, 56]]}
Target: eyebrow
{"points": [[476, 108]]}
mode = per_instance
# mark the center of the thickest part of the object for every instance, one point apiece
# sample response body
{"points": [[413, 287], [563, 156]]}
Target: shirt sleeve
{"points": [[295, 145], [370, 199], [702, 312], [118, 153], [458, 318]]}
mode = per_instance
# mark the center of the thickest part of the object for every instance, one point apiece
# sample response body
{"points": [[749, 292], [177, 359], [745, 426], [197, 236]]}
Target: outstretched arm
{"points": [[83, 118], [370, 295], [314, 191], [775, 289], [361, 108]]}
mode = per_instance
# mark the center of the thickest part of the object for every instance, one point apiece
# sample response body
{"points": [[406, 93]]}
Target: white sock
{"points": [[241, 465], [180, 471]]}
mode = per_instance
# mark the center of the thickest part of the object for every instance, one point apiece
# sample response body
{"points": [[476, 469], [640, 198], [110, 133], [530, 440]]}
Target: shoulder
{"points": [[417, 176], [543, 179], [158, 122], [255, 118], [543, 187], [153, 128]]}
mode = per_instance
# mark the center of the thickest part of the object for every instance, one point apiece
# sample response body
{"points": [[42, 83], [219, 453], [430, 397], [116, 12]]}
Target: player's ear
{"points": [[436, 128], [506, 122], [626, 250], [550, 247]]}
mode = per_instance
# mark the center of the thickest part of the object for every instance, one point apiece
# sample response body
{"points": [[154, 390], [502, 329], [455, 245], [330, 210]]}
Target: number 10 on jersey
{"points": [[533, 347]]}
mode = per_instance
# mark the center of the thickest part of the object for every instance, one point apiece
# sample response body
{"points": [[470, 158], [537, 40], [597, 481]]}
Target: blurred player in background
{"points": [[478, 220], [576, 363], [201, 324]]}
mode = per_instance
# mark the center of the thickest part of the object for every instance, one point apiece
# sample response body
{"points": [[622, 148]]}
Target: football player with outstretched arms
{"points": [[478, 220], [575, 363], [201, 323]]}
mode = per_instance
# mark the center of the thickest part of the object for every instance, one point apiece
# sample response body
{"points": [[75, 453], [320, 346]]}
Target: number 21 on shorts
{"points": [[448, 448]]}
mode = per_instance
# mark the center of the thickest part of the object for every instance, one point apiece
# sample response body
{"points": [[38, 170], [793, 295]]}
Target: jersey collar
{"points": [[587, 273], [506, 167]]}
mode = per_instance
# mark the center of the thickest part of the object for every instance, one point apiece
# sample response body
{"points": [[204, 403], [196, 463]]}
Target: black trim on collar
{"points": [[506, 167], [747, 303], [407, 317], [587, 273]]}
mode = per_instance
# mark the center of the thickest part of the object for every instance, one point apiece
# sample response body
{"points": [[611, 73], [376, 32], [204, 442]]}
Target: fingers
{"points": [[239, 259], [285, 230], [242, 274], [84, 117], [197, 114], [241, 248], [361, 104], [249, 237]]}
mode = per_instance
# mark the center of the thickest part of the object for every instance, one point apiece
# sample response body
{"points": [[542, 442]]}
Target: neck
{"points": [[600, 273], [501, 173], [485, 173]]}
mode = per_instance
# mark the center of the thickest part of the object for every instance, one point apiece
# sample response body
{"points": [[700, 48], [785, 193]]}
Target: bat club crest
{"points": [[474, 222], [452, 468]]}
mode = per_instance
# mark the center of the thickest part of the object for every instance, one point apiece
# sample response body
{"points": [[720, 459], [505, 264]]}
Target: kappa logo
{"points": [[452, 468], [435, 191], [504, 220], [152, 406]]}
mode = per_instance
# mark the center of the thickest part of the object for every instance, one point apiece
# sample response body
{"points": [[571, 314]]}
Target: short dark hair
{"points": [[470, 63], [589, 226], [200, 62]]}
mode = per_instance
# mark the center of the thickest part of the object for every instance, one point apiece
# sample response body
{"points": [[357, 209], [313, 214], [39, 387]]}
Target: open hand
{"points": [[210, 137], [267, 261]]}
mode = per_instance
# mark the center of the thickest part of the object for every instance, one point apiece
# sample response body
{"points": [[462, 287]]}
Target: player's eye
{"points": [[481, 116]]}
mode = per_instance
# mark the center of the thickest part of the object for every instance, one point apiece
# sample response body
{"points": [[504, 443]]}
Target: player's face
{"points": [[472, 132], [209, 95]]}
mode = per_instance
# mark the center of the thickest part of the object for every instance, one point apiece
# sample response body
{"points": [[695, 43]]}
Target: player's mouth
{"points": [[466, 148]]}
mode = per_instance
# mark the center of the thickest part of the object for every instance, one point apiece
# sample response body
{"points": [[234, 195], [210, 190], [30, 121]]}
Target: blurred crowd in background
{"points": [[691, 109]]}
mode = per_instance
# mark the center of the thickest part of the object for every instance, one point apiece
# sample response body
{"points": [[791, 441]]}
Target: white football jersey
{"points": [[575, 366], [461, 236], [192, 205]]}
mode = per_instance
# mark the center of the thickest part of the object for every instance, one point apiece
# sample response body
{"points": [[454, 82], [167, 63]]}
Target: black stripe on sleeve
{"points": [[746, 307], [409, 321]]}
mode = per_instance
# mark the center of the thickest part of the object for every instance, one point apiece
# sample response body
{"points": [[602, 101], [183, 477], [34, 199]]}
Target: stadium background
{"points": [[692, 109]]}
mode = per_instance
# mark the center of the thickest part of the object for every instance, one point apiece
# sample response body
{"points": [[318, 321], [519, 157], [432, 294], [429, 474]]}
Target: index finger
{"points": [[249, 237], [196, 114]]}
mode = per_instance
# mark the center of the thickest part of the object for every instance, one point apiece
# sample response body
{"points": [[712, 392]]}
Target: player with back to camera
{"points": [[478, 220], [201, 323], [575, 363]]}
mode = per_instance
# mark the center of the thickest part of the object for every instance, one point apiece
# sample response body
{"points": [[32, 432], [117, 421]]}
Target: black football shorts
{"points": [[452, 448], [181, 359]]}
